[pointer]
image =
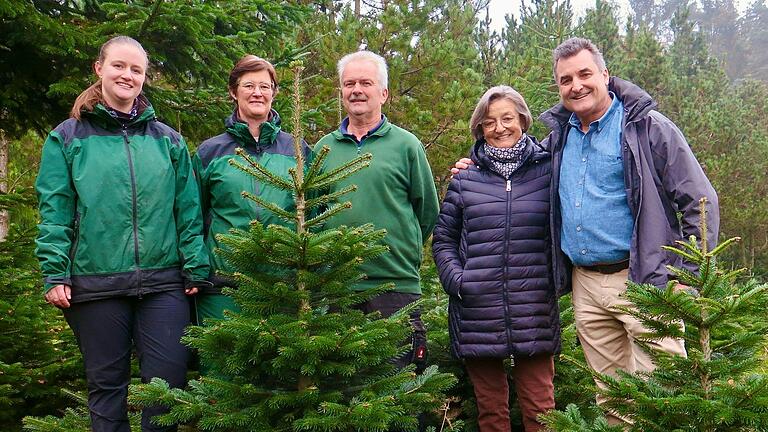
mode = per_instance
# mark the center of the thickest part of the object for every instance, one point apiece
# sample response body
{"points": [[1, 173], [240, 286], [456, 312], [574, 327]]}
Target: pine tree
{"points": [[720, 385], [47, 49], [526, 62], [38, 355], [299, 357]]}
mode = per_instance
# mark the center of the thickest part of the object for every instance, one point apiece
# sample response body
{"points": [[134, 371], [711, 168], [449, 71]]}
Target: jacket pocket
{"points": [[457, 285], [75, 239]]}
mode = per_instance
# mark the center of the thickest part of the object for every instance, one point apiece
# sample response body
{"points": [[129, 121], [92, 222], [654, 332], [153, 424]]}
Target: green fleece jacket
{"points": [[396, 193]]}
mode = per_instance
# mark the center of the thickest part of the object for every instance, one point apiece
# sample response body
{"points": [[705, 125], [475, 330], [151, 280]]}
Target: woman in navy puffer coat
{"points": [[493, 252]]}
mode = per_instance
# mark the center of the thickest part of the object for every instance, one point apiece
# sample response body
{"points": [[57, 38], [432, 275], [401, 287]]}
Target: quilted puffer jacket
{"points": [[493, 251]]}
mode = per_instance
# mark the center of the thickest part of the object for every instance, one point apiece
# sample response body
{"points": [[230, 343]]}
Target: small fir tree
{"points": [[719, 386], [299, 356]]}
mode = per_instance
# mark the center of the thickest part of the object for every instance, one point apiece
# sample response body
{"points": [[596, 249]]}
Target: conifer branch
{"points": [[331, 212], [304, 382], [277, 210], [256, 170], [298, 149], [330, 198], [703, 225], [341, 172], [150, 18], [316, 166]]}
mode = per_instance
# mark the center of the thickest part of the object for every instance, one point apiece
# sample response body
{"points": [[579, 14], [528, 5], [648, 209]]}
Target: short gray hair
{"points": [[381, 65], [492, 95], [573, 46]]}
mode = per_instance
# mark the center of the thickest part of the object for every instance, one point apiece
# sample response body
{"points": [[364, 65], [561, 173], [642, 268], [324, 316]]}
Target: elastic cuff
{"points": [[50, 282], [199, 284]]}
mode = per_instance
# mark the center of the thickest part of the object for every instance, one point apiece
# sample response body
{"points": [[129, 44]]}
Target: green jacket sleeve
{"points": [[202, 184], [189, 224], [423, 195], [57, 202]]}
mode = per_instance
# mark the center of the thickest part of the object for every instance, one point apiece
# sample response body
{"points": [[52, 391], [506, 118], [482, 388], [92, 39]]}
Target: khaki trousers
{"points": [[606, 334]]}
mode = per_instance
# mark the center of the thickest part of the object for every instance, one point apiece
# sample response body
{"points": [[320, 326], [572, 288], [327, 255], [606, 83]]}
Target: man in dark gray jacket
{"points": [[621, 174]]}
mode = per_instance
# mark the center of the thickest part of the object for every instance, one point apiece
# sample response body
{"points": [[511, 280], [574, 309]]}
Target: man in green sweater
{"points": [[396, 192]]}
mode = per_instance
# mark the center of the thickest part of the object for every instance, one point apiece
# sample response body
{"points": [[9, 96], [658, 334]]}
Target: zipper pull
{"points": [[509, 185]]}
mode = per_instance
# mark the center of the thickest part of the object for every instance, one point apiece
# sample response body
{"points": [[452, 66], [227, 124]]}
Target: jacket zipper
{"points": [[505, 281], [134, 216], [75, 240]]}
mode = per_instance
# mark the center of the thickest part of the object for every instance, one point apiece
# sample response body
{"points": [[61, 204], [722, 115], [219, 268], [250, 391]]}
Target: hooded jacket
{"points": [[119, 208], [493, 254], [221, 184], [661, 177]]}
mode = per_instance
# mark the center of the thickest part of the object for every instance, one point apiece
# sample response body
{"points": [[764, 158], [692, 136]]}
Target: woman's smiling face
{"points": [[501, 126], [122, 74]]}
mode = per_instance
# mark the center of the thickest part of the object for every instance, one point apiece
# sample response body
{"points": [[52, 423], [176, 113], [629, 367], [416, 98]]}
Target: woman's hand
{"points": [[191, 291], [461, 164], [59, 296]]}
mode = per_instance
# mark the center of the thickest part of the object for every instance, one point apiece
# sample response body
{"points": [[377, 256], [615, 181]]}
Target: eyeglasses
{"points": [[506, 121], [264, 88]]}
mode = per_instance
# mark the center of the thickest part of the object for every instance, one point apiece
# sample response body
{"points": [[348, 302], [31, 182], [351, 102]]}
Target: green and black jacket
{"points": [[221, 184], [119, 207]]}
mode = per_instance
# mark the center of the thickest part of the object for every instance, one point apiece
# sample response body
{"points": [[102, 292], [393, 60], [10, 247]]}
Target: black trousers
{"points": [[387, 304], [107, 330]]}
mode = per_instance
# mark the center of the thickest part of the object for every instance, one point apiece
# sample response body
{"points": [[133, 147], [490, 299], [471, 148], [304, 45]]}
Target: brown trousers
{"points": [[533, 384]]}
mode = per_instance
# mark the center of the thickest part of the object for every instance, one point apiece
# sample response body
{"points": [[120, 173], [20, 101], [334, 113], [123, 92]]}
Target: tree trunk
{"points": [[4, 220], [357, 9]]}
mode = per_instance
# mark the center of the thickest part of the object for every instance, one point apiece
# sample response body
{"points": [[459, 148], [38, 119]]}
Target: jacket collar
{"points": [[637, 104], [268, 130], [102, 117], [382, 130]]}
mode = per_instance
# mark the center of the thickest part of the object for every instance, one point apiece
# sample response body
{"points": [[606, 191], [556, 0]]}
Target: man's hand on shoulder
{"points": [[461, 164]]}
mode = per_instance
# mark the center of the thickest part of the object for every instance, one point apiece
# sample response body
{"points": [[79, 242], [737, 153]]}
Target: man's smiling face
{"points": [[583, 86]]}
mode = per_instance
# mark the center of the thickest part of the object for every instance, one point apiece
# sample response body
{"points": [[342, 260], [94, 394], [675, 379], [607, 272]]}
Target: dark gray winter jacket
{"points": [[661, 176], [493, 252]]}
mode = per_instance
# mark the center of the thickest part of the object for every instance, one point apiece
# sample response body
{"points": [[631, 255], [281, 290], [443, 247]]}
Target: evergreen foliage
{"points": [[719, 386], [434, 72], [48, 49], [299, 356], [73, 419], [443, 55], [38, 355]]}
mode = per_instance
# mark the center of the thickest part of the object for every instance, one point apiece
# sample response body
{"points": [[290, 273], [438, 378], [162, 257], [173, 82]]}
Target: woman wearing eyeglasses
{"points": [[255, 127], [493, 252]]}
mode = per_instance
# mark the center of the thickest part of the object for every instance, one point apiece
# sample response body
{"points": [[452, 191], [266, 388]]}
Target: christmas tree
{"points": [[720, 385], [299, 356]]}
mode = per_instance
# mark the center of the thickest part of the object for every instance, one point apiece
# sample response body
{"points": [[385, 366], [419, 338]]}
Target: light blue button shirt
{"points": [[597, 223]]}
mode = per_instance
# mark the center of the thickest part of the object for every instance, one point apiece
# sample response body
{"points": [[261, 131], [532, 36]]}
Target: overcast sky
{"points": [[499, 8]]}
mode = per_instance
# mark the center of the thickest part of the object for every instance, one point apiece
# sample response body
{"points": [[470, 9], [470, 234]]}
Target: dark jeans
{"points": [[106, 330], [387, 304]]}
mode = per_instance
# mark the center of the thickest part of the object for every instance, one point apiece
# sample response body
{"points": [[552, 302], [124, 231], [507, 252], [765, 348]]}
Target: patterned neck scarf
{"points": [[505, 161]]}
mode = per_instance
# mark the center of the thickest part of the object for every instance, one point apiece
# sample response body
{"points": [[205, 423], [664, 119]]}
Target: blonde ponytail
{"points": [[87, 100]]}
